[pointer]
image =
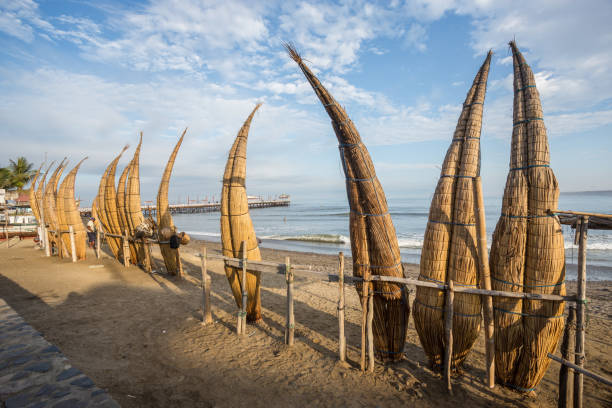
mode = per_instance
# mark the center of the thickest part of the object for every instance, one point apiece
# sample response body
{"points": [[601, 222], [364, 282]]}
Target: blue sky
{"points": [[82, 78]]}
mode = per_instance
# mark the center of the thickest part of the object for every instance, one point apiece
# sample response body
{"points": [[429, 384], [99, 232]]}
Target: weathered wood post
{"points": [[72, 243], [206, 312], [365, 285], [46, 238], [290, 324], [6, 221], [566, 374], [485, 282], [341, 338], [98, 243], [448, 331], [369, 322], [580, 312], [245, 297], [126, 249], [147, 254]]}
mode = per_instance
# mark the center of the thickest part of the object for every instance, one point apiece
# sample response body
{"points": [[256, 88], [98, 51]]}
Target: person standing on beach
{"points": [[91, 232]]}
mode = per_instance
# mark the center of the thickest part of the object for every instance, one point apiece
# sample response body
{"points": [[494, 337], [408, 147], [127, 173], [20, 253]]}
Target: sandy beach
{"points": [[139, 336]]}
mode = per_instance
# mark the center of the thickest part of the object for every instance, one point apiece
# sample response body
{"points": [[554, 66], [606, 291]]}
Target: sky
{"points": [[82, 78]]}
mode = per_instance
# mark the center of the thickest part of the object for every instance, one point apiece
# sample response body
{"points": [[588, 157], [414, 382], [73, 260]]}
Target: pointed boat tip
{"points": [[292, 51]]}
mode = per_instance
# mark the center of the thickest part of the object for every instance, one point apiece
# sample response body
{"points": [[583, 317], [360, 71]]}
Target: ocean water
{"points": [[323, 228]]}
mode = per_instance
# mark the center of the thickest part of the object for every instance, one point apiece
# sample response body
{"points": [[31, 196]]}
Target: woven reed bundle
{"points": [[449, 246], [374, 243], [110, 204], [133, 209], [32, 195], [72, 216], [61, 216], [40, 192], [527, 331], [49, 197], [236, 224], [121, 211], [165, 223], [120, 199]]}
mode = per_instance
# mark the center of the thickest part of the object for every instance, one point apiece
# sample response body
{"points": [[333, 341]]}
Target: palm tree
{"points": [[20, 172], [5, 177]]}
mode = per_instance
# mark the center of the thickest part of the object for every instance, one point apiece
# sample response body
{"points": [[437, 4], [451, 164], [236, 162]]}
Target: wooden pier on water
{"points": [[202, 207]]}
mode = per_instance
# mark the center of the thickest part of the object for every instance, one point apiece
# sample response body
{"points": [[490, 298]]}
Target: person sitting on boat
{"points": [[91, 232]]}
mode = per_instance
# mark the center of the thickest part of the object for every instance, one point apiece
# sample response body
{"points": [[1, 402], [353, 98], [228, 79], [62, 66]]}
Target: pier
{"points": [[201, 207]]}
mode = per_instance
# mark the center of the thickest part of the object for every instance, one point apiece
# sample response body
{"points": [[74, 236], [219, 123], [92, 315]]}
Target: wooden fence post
{"points": [[290, 325], [126, 249], [580, 312], [341, 338], [6, 222], [98, 243], [72, 243], [566, 374], [448, 329], [245, 297], [147, 254], [46, 238], [370, 319], [485, 282], [365, 286], [206, 312]]}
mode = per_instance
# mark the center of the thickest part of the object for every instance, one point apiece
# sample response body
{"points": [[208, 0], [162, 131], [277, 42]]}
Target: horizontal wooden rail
{"points": [[306, 269], [581, 370]]}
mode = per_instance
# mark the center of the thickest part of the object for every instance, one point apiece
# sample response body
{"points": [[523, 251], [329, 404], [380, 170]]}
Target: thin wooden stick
{"points": [[580, 312], [370, 319], [485, 282], [566, 374], [72, 243], [289, 331], [126, 249], [581, 370], [244, 286], [98, 244], [582, 213], [6, 220], [206, 312], [448, 328], [365, 285], [341, 338], [147, 254], [180, 272]]}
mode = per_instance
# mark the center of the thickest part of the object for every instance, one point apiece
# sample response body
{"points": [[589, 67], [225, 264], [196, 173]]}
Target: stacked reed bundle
{"points": [[374, 243], [49, 204], [236, 224], [100, 204], [527, 252], [124, 226], [32, 196], [40, 193], [165, 223], [94, 214], [61, 217], [110, 204], [449, 246], [133, 209], [72, 216]]}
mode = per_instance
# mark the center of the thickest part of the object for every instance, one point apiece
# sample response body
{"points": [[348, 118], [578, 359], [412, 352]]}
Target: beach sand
{"points": [[139, 336]]}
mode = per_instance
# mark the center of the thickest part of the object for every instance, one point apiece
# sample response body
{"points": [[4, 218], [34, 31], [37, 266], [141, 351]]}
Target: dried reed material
{"points": [[133, 209], [236, 224], [61, 217], [49, 199], [374, 243], [164, 218], [121, 212], [40, 193], [72, 216], [449, 246], [110, 204], [527, 252], [94, 214], [32, 195]]}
